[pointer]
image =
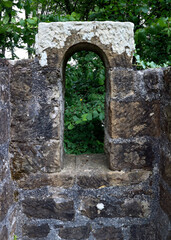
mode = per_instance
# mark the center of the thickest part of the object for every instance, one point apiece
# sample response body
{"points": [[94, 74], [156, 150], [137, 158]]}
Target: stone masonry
{"points": [[123, 194], [8, 208]]}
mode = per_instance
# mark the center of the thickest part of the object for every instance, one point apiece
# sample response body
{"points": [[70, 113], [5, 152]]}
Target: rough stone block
{"points": [[4, 81], [65, 179], [4, 87], [35, 106], [93, 180], [32, 120], [166, 167], [48, 208], [4, 126], [128, 156], [108, 233], [123, 178], [34, 231], [122, 83], [131, 119], [30, 158], [149, 83], [6, 199], [169, 236], [4, 233], [167, 81], [144, 232], [95, 208], [75, 233], [4, 161], [165, 200], [167, 121]]}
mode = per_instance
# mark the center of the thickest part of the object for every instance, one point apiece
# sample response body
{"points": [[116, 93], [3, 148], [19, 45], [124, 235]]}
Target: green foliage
{"points": [[84, 103], [15, 237], [153, 42], [152, 25]]}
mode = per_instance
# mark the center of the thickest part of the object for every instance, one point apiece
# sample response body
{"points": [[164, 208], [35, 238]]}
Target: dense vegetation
{"points": [[84, 115], [84, 104]]}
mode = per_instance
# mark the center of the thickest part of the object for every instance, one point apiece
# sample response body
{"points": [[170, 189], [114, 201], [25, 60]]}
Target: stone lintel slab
{"points": [[114, 38]]}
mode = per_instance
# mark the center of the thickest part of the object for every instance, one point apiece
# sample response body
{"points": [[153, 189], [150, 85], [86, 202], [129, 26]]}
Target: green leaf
{"points": [[22, 22], [89, 116], [96, 9], [32, 21], [162, 22], [7, 3], [13, 20], [70, 127], [75, 118], [95, 114], [6, 19], [84, 117], [101, 79], [101, 116], [145, 9], [78, 121]]}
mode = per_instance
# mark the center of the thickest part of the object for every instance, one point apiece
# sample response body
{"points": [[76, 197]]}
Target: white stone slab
{"points": [[119, 35]]}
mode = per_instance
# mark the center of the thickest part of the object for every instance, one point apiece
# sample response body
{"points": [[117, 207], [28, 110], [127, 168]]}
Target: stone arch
{"points": [[88, 47], [112, 41]]}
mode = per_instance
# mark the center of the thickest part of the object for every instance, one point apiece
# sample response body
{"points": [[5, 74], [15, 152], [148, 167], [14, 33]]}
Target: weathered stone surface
{"points": [[75, 233], [119, 178], [112, 209], [166, 167], [167, 125], [96, 180], [4, 164], [92, 180], [169, 236], [6, 199], [4, 126], [165, 201], [63, 179], [87, 171], [4, 233], [48, 208], [150, 83], [4, 85], [117, 35], [144, 232], [31, 124], [122, 83], [13, 221], [108, 233], [131, 119], [30, 158], [167, 80], [128, 156], [35, 110], [34, 231], [35, 124]]}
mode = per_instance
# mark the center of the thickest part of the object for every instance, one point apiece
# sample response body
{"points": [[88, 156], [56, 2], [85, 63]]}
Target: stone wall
{"points": [[123, 194], [87, 200], [165, 167], [7, 203]]}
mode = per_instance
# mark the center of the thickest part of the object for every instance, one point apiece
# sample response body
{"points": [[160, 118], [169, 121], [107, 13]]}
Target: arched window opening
{"points": [[84, 104]]}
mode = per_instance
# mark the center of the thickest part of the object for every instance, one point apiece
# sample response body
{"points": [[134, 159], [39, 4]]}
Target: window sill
{"points": [[86, 171]]}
